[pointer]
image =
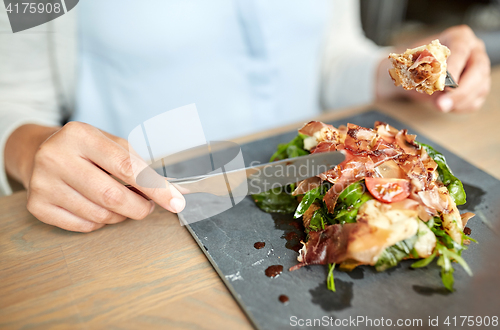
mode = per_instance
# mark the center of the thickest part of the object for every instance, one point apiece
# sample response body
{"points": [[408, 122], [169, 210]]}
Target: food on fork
{"points": [[422, 68], [391, 199]]}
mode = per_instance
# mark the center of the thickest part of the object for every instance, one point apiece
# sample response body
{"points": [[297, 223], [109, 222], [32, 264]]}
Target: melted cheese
{"points": [[426, 241], [312, 141], [402, 223], [399, 224]]}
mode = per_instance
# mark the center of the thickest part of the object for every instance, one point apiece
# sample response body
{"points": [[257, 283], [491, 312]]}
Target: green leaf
{"points": [[349, 202], [294, 148], [430, 223], [445, 258], [451, 255], [464, 237], [352, 193], [395, 253], [446, 239], [424, 262], [330, 281], [447, 278], [454, 185], [308, 199], [294, 151], [275, 201], [317, 222]]}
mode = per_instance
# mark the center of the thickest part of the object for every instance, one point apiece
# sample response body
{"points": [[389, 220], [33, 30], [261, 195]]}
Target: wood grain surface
{"points": [[150, 273]]}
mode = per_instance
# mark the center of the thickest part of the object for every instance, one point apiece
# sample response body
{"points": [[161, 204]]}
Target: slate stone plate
{"points": [[228, 241]]}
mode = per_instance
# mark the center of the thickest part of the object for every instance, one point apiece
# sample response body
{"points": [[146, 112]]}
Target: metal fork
{"points": [[450, 82]]}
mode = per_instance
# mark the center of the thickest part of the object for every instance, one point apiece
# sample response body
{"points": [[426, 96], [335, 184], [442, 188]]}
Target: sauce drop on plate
{"points": [[283, 298], [259, 245], [274, 270]]}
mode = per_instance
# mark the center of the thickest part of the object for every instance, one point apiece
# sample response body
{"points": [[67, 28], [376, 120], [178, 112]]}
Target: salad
{"points": [[391, 199]]}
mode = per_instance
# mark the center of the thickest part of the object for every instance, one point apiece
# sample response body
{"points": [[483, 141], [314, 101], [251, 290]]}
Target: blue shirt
{"points": [[248, 65]]}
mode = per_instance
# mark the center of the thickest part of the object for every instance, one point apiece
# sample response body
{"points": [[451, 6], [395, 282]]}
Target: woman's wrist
{"points": [[20, 150]]}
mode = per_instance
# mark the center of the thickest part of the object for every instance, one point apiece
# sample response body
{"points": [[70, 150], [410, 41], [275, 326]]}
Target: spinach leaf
{"points": [[309, 198], [446, 176], [294, 148], [349, 202], [276, 200], [395, 253]]}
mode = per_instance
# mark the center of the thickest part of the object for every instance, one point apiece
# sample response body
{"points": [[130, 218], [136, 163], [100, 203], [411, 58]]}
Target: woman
{"points": [[248, 65]]}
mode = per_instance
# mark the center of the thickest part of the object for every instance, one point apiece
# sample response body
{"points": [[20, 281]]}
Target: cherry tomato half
{"points": [[388, 190]]}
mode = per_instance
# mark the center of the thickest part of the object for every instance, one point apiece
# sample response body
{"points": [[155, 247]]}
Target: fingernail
{"points": [[152, 207], [445, 103], [177, 204]]}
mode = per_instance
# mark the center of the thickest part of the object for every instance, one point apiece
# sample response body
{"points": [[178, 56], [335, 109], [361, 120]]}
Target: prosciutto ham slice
{"points": [[313, 127], [352, 241]]}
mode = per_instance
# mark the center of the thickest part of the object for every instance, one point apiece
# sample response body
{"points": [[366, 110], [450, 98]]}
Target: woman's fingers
{"points": [[106, 192], [75, 163], [460, 40], [469, 64], [73, 201], [474, 84], [59, 217], [129, 168]]}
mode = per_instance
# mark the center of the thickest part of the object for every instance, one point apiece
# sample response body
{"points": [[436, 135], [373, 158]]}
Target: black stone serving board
{"points": [[228, 241]]}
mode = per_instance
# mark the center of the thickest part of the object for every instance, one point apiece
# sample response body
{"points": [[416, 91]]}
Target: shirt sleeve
{"points": [[350, 59], [27, 90]]}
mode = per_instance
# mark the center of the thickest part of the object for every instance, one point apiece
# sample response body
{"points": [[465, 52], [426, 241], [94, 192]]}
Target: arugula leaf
{"points": [[317, 222], [424, 262], [330, 281], [276, 200], [448, 251], [294, 148], [443, 236], [446, 269], [447, 278], [464, 237], [430, 222], [308, 199], [451, 255], [454, 185], [395, 253], [349, 202]]}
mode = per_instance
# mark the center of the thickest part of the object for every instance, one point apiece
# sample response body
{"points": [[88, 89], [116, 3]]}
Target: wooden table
{"points": [[151, 273]]}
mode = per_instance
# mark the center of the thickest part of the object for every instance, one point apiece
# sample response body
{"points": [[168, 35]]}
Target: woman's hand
{"points": [[68, 181], [469, 65]]}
